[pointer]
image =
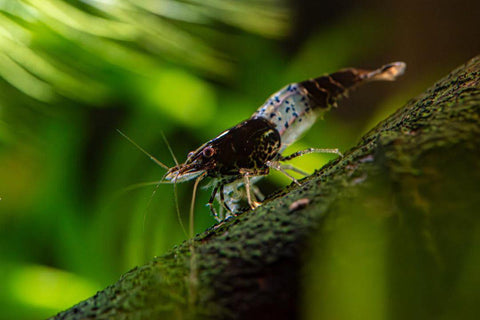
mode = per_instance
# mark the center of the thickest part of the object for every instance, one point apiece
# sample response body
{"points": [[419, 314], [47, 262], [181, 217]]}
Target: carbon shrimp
{"points": [[255, 146], [239, 156]]}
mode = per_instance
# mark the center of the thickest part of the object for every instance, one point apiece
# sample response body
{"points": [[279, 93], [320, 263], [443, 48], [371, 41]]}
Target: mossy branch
{"points": [[417, 172]]}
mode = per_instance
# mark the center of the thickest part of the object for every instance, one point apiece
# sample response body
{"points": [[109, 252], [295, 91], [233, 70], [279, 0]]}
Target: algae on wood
{"points": [[391, 230]]}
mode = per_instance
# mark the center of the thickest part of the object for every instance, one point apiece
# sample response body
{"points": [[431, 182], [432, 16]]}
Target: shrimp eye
{"points": [[208, 152]]}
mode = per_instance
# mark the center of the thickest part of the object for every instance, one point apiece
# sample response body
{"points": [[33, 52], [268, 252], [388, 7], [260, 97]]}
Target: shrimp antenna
{"points": [[169, 148], [179, 217], [193, 277], [141, 185], [144, 151], [192, 204], [157, 185], [175, 190]]}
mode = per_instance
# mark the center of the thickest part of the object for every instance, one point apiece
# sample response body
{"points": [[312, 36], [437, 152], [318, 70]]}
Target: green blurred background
{"points": [[71, 72]]}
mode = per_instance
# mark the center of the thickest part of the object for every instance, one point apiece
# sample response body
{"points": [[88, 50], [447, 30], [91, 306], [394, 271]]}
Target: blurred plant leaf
{"points": [[27, 283], [54, 48], [182, 96]]}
